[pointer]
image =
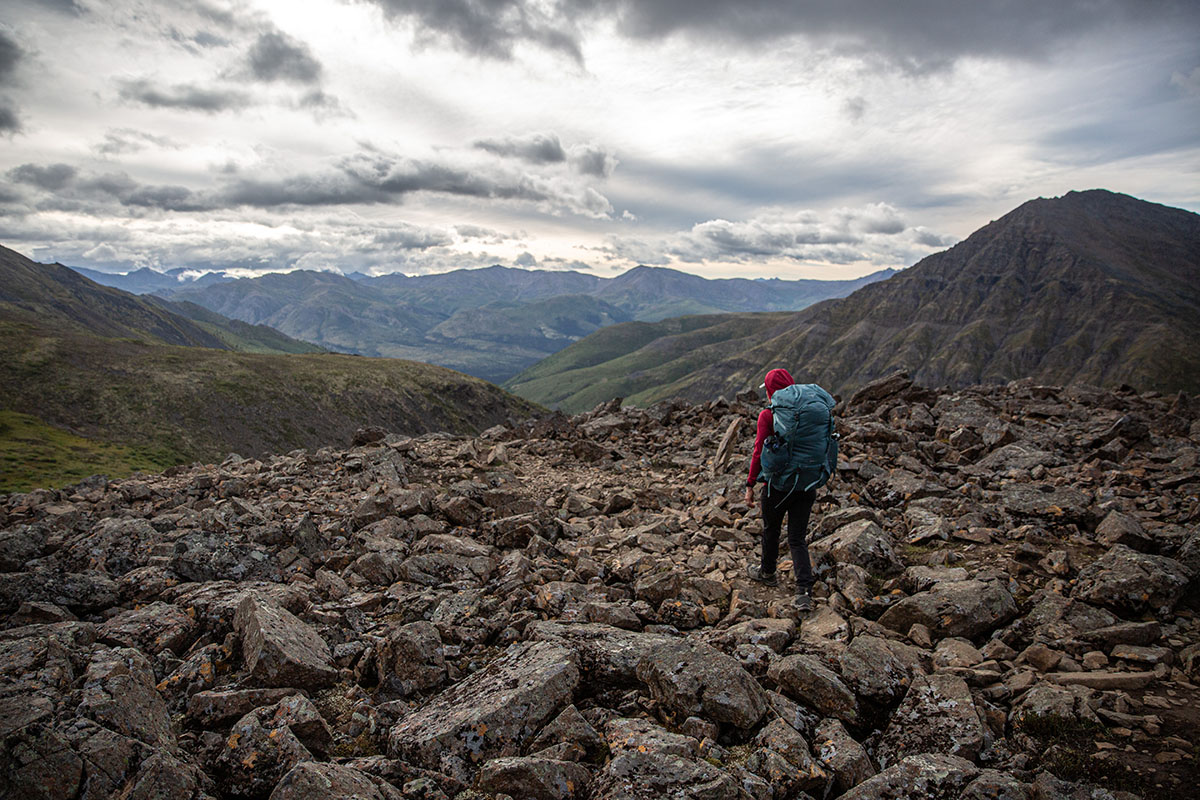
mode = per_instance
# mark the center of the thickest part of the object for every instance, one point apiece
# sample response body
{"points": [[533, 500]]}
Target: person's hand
{"points": [[750, 496]]}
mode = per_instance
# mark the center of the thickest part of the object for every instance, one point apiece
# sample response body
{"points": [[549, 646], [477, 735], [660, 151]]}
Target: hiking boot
{"points": [[803, 601], [756, 574]]}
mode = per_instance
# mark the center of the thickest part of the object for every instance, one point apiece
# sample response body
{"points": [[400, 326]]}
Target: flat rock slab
{"points": [[1103, 680], [954, 608], [607, 655], [212, 709], [808, 680], [652, 776], [693, 679], [534, 778], [119, 694], [1125, 580], [311, 780], [281, 650], [929, 776], [937, 715], [861, 542], [1065, 702], [491, 713], [152, 629], [1045, 501]]}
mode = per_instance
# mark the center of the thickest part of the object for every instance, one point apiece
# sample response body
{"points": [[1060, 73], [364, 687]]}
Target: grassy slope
{"points": [[639, 361], [186, 403], [235, 334], [33, 454]]}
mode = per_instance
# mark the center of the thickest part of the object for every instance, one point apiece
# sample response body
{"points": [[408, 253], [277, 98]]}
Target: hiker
{"points": [[797, 462]]}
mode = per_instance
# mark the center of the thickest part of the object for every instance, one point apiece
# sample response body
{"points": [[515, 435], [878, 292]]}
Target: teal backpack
{"points": [[802, 452]]}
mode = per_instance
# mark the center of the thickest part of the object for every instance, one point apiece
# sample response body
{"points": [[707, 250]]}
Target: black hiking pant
{"points": [[798, 506]]}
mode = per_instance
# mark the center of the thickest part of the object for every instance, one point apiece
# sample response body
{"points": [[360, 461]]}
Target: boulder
{"points": [[255, 757], [310, 780], [695, 679], [1118, 528], [36, 761], [152, 629], [872, 670], [785, 761], [629, 734], [1064, 702], [634, 775], [163, 775], [281, 650], [211, 709], [1128, 581], [411, 658], [812, 683], [1046, 502], [862, 543], [81, 592], [937, 715], [610, 656], [842, 755], [119, 694], [929, 776], [489, 714], [954, 608], [533, 777], [570, 726]]}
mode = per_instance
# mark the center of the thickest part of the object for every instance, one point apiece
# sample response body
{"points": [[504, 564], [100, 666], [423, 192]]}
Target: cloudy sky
{"points": [[727, 138]]}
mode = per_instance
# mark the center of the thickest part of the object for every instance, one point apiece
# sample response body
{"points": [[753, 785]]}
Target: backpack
{"points": [[802, 452]]}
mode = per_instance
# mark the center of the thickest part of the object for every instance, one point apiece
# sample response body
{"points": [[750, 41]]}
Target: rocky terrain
{"points": [[558, 609]]}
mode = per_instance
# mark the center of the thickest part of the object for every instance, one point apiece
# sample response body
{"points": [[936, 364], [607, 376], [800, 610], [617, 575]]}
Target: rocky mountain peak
{"points": [[559, 609]]}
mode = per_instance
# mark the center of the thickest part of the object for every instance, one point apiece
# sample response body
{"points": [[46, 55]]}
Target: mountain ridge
{"points": [[1090, 287], [443, 318]]}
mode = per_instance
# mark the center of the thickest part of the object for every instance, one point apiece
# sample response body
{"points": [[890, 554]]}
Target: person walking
{"points": [[791, 488]]}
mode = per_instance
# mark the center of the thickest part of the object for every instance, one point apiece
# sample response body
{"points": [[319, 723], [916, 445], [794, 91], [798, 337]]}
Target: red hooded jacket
{"points": [[776, 380]]}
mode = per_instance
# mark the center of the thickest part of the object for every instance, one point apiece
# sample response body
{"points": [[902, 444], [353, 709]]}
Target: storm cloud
{"points": [[373, 177], [490, 28], [536, 148], [122, 141], [364, 178], [915, 36], [186, 96], [10, 57], [274, 56], [758, 138]]}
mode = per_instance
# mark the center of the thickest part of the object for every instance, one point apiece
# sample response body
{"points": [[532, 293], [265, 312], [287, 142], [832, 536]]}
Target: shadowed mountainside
{"points": [[491, 322], [1091, 287]]}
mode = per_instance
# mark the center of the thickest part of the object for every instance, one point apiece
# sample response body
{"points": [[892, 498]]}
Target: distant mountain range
{"points": [[174, 382], [1092, 287], [491, 323]]}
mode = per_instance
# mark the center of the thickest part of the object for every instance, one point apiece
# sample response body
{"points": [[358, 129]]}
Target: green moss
{"points": [[915, 550]]}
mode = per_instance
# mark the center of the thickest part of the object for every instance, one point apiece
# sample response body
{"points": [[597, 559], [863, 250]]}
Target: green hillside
{"points": [[639, 361], [176, 404], [95, 380]]}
